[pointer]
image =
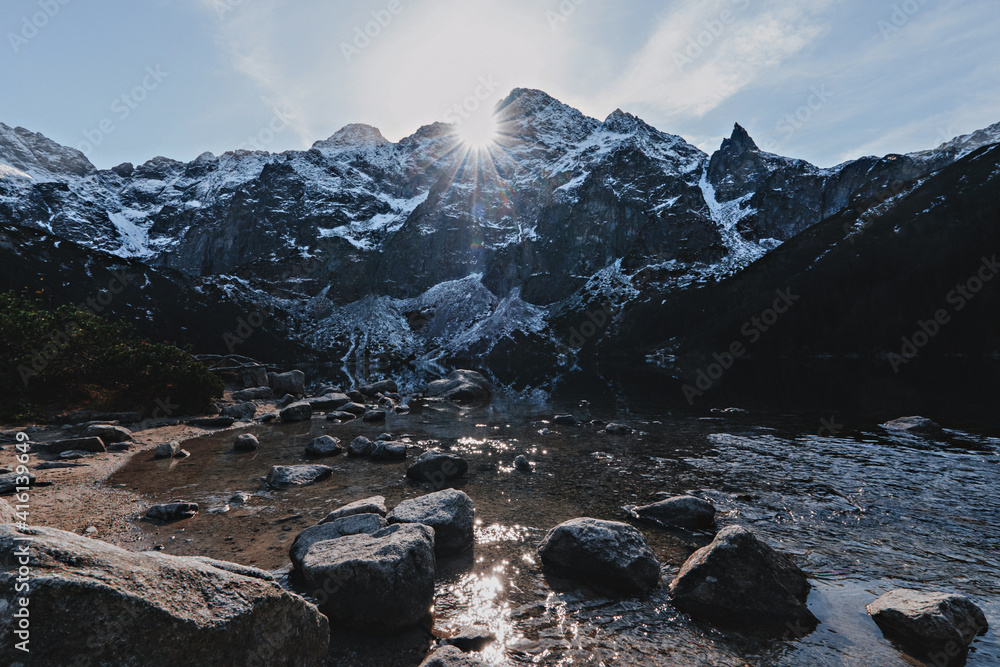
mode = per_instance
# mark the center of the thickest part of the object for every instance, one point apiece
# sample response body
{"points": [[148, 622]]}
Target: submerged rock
{"points": [[378, 582], [737, 580], [245, 442], [324, 445], [451, 513], [461, 386], [450, 656], [471, 638], [283, 477], [680, 511], [436, 467], [522, 464], [152, 609], [938, 626], [372, 505], [299, 411], [602, 554]]}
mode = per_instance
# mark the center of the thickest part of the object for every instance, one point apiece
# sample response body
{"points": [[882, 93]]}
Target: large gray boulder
{"points": [[331, 530], [450, 513], [372, 505], [436, 468], [937, 626], [284, 477], [461, 386], [378, 582], [298, 411], [99, 604], [680, 511], [737, 580], [292, 382], [603, 554], [108, 433]]}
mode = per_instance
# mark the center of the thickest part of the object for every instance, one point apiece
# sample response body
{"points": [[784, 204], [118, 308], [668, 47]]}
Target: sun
{"points": [[478, 130]]}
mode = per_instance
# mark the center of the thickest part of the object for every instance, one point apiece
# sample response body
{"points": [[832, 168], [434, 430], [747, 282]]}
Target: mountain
{"points": [[430, 251]]}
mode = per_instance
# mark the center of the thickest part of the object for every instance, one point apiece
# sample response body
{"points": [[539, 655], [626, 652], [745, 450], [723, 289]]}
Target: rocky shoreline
{"points": [[369, 569]]}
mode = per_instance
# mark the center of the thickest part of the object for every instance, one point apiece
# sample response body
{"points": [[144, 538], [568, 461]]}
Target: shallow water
{"points": [[862, 513]]}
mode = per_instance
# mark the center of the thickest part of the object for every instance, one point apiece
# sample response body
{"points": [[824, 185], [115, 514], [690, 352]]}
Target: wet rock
{"points": [[88, 444], [738, 580], [374, 416], [154, 609], [362, 446], [602, 554], [252, 394], [267, 417], [615, 428], [357, 409], [381, 582], [172, 511], [461, 386], [240, 411], [380, 387], [450, 656], [680, 511], [402, 409], [450, 513], [328, 402], [916, 425], [471, 638], [212, 422], [328, 389], [372, 505], [565, 420], [436, 467], [522, 464], [108, 433], [331, 530], [245, 442], [356, 396], [384, 436], [338, 416], [324, 445], [292, 382], [299, 411], [935, 626], [167, 450], [389, 451], [283, 477], [285, 401]]}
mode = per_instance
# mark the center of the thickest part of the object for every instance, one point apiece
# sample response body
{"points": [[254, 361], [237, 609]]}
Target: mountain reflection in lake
{"points": [[862, 512]]}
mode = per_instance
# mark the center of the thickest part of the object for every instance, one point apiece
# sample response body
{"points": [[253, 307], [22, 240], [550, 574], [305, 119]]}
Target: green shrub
{"points": [[69, 357]]}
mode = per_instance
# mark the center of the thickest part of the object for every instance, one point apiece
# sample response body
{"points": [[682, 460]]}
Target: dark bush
{"points": [[69, 358]]}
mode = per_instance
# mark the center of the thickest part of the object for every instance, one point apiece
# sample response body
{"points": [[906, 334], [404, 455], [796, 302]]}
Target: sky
{"points": [[823, 80]]}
